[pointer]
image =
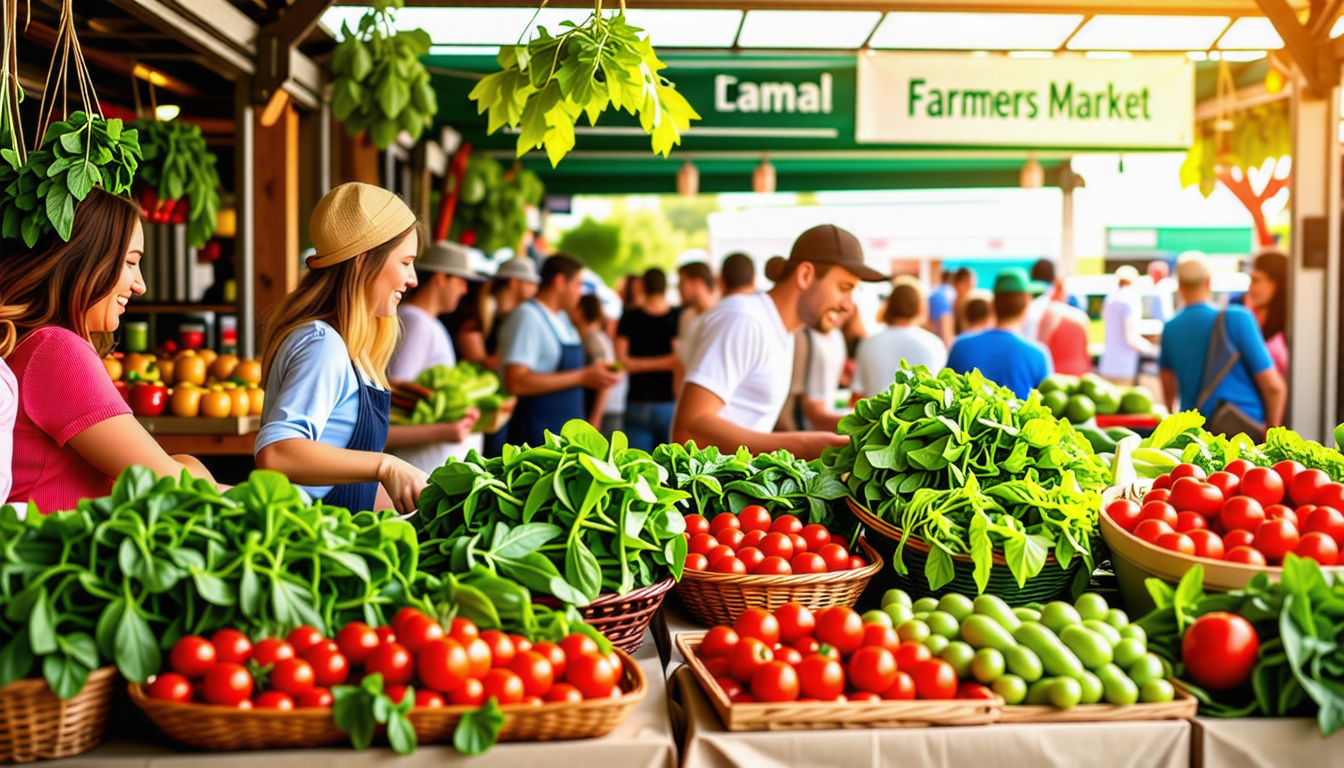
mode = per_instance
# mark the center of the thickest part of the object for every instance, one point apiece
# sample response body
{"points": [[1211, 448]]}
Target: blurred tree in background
{"points": [[638, 235]]}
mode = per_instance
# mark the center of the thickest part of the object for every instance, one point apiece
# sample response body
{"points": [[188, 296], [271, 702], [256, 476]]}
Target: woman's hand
{"points": [[457, 431], [403, 483]]}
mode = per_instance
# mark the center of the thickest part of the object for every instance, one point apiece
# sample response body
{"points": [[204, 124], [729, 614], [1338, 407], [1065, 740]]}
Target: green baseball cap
{"points": [[1014, 280]]}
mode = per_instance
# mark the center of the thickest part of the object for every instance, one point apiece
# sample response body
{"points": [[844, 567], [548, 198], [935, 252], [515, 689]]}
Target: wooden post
{"points": [[276, 189], [354, 159]]}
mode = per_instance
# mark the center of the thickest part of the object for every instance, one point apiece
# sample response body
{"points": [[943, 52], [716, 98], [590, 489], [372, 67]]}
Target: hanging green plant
{"points": [[546, 85], [381, 86], [492, 208], [177, 164], [40, 194]]}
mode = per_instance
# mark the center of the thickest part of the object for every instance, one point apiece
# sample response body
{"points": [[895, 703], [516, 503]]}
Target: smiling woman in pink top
{"points": [[73, 433]]}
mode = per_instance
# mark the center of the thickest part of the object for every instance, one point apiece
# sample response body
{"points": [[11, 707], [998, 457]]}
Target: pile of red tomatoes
{"points": [[752, 542]]}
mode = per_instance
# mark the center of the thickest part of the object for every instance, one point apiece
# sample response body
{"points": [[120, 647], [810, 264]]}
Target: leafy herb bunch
{"points": [[572, 518], [381, 85], [493, 204], [121, 578], [962, 464], [1299, 620], [178, 164], [39, 195], [546, 85]]}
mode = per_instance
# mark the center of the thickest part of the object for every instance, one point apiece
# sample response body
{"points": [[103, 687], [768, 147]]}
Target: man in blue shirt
{"points": [[1253, 384], [1000, 353]]}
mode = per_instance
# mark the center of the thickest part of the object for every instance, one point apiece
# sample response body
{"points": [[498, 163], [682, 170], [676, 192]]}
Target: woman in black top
{"points": [[646, 341]]}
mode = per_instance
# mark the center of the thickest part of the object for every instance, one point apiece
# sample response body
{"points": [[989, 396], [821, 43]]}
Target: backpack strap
{"points": [[1212, 379]]}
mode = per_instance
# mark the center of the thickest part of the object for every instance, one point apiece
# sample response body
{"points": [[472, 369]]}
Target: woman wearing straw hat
{"points": [[326, 351]]}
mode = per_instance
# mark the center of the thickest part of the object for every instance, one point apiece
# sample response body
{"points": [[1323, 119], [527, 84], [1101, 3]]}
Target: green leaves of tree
{"points": [[381, 86], [178, 164], [545, 86], [493, 202]]}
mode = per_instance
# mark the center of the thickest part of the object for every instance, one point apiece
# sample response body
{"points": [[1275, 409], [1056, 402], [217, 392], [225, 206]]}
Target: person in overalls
{"points": [[543, 356], [326, 351]]}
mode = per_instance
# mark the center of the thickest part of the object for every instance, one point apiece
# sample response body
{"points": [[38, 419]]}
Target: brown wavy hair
{"points": [[1275, 266], [56, 282]]}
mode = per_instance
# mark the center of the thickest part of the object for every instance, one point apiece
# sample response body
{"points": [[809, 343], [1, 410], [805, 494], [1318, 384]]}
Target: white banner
{"points": [[1143, 102]]}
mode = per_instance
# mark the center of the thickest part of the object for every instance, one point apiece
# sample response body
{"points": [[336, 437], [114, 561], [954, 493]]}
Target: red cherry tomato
{"points": [[1207, 544], [717, 642], [902, 690], [170, 686], [1124, 512], [563, 693], [536, 671], [1189, 494], [718, 667], [872, 668], [192, 656], [269, 651], [275, 700], [750, 557], [867, 697], [231, 646], [504, 684], [821, 677], [393, 662], [471, 693], [479, 658], [835, 556], [1226, 482], [293, 676], [1238, 538], [788, 655], [840, 627], [1219, 651], [777, 544], [774, 566], [730, 687], [787, 524], [1190, 521], [718, 553], [799, 543], [1276, 538], [697, 562], [1319, 547], [728, 564], [418, 631], [969, 690], [578, 644], [935, 679], [881, 635], [1185, 470], [1242, 512], [1150, 530], [1176, 542], [1238, 468], [226, 684], [808, 562], [1157, 494], [754, 539], [730, 538], [386, 635], [759, 624], [1264, 485], [754, 518], [304, 637], [429, 699], [501, 647], [443, 664], [1163, 482], [1332, 496], [701, 543], [594, 676], [1281, 512], [696, 524], [330, 666], [774, 681], [795, 622], [856, 562], [807, 645], [403, 616], [816, 536], [1158, 510], [724, 520], [1288, 471], [356, 641], [317, 698], [1305, 485], [1327, 520], [1247, 555]]}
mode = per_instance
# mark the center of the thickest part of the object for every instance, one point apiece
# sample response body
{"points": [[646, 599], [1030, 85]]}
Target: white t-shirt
{"points": [[825, 366], [688, 325], [744, 356], [880, 356], [9, 411], [1031, 329], [597, 347], [1118, 358], [424, 344]]}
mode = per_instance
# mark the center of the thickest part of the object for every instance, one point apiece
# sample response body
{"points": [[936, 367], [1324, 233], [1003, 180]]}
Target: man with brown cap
{"points": [[739, 374]]}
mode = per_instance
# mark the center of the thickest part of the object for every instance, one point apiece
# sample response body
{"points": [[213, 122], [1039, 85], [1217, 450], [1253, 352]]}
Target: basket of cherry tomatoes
{"points": [[1236, 523], [754, 560]]}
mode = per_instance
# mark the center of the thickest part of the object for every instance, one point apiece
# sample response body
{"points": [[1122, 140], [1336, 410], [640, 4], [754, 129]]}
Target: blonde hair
{"points": [[341, 296]]}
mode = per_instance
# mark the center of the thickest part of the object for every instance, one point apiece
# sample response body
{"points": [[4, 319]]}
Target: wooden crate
{"points": [[179, 425]]}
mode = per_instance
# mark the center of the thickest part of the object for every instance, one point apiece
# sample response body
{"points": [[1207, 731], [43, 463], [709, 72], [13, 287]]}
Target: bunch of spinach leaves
{"points": [[1299, 621], [121, 578], [572, 518], [962, 464], [778, 481]]}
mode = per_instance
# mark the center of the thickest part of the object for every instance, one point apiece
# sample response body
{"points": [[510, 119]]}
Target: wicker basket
{"points": [[719, 598], [548, 722], [622, 618], [801, 716], [1183, 707], [36, 725], [1051, 583]]}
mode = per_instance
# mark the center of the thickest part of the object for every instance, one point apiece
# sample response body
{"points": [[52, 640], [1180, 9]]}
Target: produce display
{"points": [[963, 465], [1081, 399], [1181, 438], [381, 86], [573, 518], [493, 203], [754, 542], [441, 394], [188, 384], [180, 183]]}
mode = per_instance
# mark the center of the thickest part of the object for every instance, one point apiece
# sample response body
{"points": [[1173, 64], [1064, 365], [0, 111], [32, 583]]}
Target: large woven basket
{"points": [[227, 729], [36, 725], [719, 598], [622, 619], [1052, 582]]}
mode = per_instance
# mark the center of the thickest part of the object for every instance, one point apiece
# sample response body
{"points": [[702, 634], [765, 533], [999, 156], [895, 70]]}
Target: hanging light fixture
{"points": [[763, 178], [166, 112], [1033, 175], [688, 179]]}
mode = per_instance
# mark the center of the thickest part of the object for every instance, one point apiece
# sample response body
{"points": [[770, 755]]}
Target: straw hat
{"points": [[352, 219]]}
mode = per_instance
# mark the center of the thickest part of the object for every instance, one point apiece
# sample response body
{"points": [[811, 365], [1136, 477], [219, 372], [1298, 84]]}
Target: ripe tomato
{"points": [[617, 666], [429, 699], [969, 690], [1281, 512], [520, 643], [443, 664], [730, 687], [777, 544], [835, 556], [386, 635], [330, 666], [554, 654], [269, 651], [578, 644], [356, 641], [1264, 485], [1239, 538], [536, 671], [1238, 468], [881, 636], [1189, 494], [393, 661], [729, 564], [192, 656], [787, 524], [789, 655], [717, 553], [807, 645], [1190, 521], [275, 700], [718, 642], [397, 693], [1226, 482], [840, 627], [1185, 470], [718, 667], [795, 622], [774, 681], [866, 697], [1176, 542], [1219, 650], [856, 562], [751, 557], [821, 677], [244, 704], [730, 538], [697, 562], [758, 623], [1305, 485], [417, 631], [403, 616], [911, 655], [170, 686], [317, 698], [304, 637], [1150, 530], [1124, 512], [816, 536], [774, 566], [902, 690], [1288, 471], [872, 668], [1207, 544], [504, 684], [1276, 538], [231, 646], [293, 676], [936, 679], [594, 676], [754, 518], [1331, 495], [1327, 520], [696, 524], [1163, 482], [479, 658], [799, 543], [1158, 510], [754, 538], [701, 543], [808, 562], [563, 693], [226, 684], [1242, 512], [724, 520], [747, 655], [1319, 547], [501, 647], [1247, 555], [471, 693], [1157, 494]]}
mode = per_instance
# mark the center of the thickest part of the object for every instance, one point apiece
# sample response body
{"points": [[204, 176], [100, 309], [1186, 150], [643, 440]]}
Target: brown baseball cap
{"points": [[829, 244]]}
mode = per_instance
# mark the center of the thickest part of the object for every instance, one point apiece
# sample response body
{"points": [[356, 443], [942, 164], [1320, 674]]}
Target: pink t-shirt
{"points": [[9, 407], [63, 390], [1278, 352]]}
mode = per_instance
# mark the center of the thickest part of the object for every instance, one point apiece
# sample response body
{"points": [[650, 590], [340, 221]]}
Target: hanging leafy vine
{"points": [[547, 84], [177, 164], [493, 204], [381, 85]]}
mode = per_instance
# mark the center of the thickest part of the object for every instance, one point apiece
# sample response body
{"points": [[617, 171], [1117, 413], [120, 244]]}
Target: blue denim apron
{"points": [[535, 415], [371, 423]]}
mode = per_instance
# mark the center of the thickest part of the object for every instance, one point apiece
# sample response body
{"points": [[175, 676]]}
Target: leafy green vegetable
{"points": [[572, 518], [1283, 444], [479, 729], [359, 709], [178, 164], [968, 468], [465, 385], [492, 204], [381, 85]]}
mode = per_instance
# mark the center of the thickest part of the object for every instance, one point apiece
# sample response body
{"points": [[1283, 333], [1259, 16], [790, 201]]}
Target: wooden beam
{"points": [[45, 36], [276, 208], [275, 46], [1316, 61], [1129, 7]]}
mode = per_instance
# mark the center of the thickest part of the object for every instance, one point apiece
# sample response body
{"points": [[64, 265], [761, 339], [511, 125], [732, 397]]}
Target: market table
{"points": [[204, 437], [1258, 742], [643, 741]]}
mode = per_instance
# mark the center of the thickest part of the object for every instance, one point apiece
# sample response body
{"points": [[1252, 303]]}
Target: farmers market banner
{"points": [[916, 98]]}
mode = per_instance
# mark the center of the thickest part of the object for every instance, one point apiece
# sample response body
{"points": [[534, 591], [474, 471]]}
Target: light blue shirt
{"points": [[312, 392], [1004, 358], [1185, 348], [531, 337]]}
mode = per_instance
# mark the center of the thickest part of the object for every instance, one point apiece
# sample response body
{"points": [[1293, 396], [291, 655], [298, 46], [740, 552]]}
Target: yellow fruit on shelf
{"points": [[248, 371], [113, 366], [186, 400], [240, 402], [256, 399], [167, 367], [209, 355], [146, 367], [223, 366], [190, 369], [216, 405]]}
